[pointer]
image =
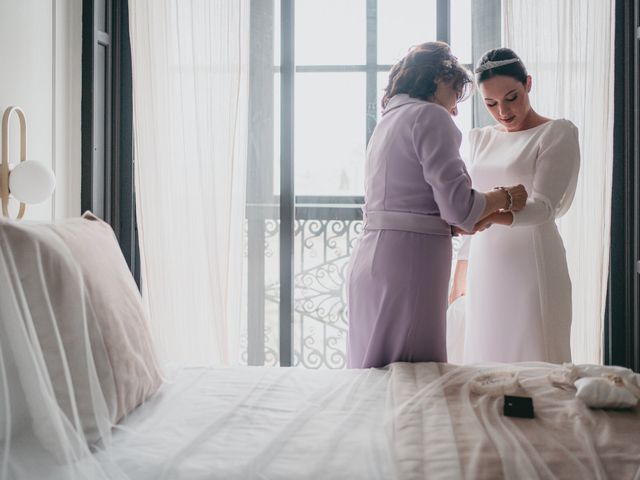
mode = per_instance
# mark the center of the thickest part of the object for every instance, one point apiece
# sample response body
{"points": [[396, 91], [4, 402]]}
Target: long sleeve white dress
{"points": [[518, 301]]}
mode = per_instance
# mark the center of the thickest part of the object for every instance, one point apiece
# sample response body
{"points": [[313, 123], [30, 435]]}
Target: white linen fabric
{"points": [[518, 305], [406, 421], [568, 48], [190, 64], [442, 430], [599, 392], [57, 392], [118, 309], [599, 386], [259, 423]]}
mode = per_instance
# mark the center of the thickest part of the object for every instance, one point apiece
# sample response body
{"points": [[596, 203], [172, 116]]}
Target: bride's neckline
{"points": [[495, 127]]}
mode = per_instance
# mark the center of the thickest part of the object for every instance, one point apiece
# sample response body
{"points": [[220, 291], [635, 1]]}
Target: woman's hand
{"points": [[519, 197]]}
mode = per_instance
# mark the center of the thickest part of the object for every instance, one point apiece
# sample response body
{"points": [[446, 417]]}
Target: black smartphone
{"points": [[518, 406]]}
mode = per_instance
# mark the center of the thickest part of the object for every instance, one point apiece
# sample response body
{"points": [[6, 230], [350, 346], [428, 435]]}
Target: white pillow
{"points": [[74, 331], [601, 392]]}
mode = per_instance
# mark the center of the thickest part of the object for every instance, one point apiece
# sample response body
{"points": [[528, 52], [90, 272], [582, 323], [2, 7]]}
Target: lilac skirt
{"points": [[397, 298]]}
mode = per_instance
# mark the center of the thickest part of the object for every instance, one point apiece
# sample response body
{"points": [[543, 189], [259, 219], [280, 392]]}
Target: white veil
{"points": [[55, 404]]}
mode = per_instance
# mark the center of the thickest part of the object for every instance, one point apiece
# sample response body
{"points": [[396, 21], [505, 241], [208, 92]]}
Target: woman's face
{"points": [[446, 96], [507, 100]]}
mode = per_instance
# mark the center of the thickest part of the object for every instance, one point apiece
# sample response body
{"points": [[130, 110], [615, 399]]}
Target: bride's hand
{"points": [[483, 224], [519, 196], [458, 231]]}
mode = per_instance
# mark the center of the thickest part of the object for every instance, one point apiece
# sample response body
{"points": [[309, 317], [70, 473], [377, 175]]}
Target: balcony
{"points": [[326, 231]]}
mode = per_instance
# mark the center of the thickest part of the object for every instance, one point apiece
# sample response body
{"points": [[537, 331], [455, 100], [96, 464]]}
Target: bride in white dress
{"points": [[514, 274]]}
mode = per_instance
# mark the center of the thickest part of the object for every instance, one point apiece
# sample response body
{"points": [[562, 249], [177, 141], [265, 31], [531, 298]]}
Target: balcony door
{"points": [[318, 70]]}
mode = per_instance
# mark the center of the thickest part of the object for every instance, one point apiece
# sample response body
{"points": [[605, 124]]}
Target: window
{"points": [[317, 76], [107, 122], [622, 317]]}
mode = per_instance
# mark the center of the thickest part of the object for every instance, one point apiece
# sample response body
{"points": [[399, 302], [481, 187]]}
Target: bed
{"points": [[408, 421], [81, 397]]}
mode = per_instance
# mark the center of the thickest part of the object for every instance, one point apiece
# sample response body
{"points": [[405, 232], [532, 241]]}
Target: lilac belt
{"points": [[406, 222]]}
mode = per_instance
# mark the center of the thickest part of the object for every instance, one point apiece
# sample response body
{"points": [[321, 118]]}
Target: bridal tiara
{"points": [[494, 64]]}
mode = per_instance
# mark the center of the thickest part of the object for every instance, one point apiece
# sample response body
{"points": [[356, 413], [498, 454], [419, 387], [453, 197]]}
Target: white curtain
{"points": [[190, 69], [568, 48]]}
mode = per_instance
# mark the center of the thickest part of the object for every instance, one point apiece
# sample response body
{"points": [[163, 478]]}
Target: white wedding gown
{"points": [[518, 300]]}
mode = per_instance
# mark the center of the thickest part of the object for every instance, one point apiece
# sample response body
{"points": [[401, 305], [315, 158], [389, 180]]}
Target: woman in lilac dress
{"points": [[416, 190]]}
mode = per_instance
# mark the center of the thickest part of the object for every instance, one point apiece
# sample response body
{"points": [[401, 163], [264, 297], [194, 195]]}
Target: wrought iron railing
{"points": [[326, 231]]}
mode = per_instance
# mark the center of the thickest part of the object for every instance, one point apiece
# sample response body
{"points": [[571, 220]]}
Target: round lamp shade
{"points": [[31, 182]]}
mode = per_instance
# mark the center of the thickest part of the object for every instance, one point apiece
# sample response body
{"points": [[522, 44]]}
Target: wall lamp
{"points": [[28, 182]]}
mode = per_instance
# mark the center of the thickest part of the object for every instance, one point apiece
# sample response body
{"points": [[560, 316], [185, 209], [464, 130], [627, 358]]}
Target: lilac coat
{"points": [[398, 280]]}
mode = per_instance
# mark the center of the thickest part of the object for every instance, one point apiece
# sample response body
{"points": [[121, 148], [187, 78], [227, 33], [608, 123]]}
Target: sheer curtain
{"points": [[568, 48], [190, 66]]}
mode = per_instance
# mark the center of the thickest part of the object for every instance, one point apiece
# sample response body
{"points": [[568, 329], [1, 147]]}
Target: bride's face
{"points": [[507, 99]]}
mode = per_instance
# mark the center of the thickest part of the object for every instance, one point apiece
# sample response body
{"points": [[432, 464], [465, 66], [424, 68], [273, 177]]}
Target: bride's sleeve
{"points": [[555, 179], [462, 245]]}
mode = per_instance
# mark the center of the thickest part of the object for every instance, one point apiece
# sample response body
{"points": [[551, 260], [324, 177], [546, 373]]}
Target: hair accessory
{"points": [[495, 64]]}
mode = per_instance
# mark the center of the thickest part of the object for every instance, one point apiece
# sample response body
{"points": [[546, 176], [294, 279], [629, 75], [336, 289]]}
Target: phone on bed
{"points": [[521, 407]]}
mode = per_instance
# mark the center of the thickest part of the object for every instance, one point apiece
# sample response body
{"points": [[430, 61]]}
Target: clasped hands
{"points": [[515, 200]]}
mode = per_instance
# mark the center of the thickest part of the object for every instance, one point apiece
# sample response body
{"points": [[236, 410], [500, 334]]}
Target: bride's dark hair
{"points": [[417, 72], [515, 70]]}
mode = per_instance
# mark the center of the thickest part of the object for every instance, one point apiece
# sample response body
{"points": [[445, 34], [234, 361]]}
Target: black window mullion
{"points": [[96, 106], [443, 27], [123, 206], [636, 193], [486, 33], [260, 164], [372, 67], [622, 319], [107, 185], [287, 193]]}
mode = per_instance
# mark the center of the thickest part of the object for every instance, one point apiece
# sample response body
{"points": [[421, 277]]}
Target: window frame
{"points": [[289, 203], [107, 162], [622, 317]]}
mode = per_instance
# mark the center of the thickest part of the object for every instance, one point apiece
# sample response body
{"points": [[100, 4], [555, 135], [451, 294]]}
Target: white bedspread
{"points": [[440, 429], [407, 421], [259, 423]]}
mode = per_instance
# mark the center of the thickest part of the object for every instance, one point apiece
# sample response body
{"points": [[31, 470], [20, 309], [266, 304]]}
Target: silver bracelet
{"points": [[510, 206], [509, 196]]}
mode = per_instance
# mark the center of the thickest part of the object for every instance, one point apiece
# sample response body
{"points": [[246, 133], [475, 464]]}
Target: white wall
{"points": [[40, 71]]}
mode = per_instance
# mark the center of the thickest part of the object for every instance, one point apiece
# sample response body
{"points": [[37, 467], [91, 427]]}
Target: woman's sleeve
{"points": [[436, 140], [555, 179]]}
